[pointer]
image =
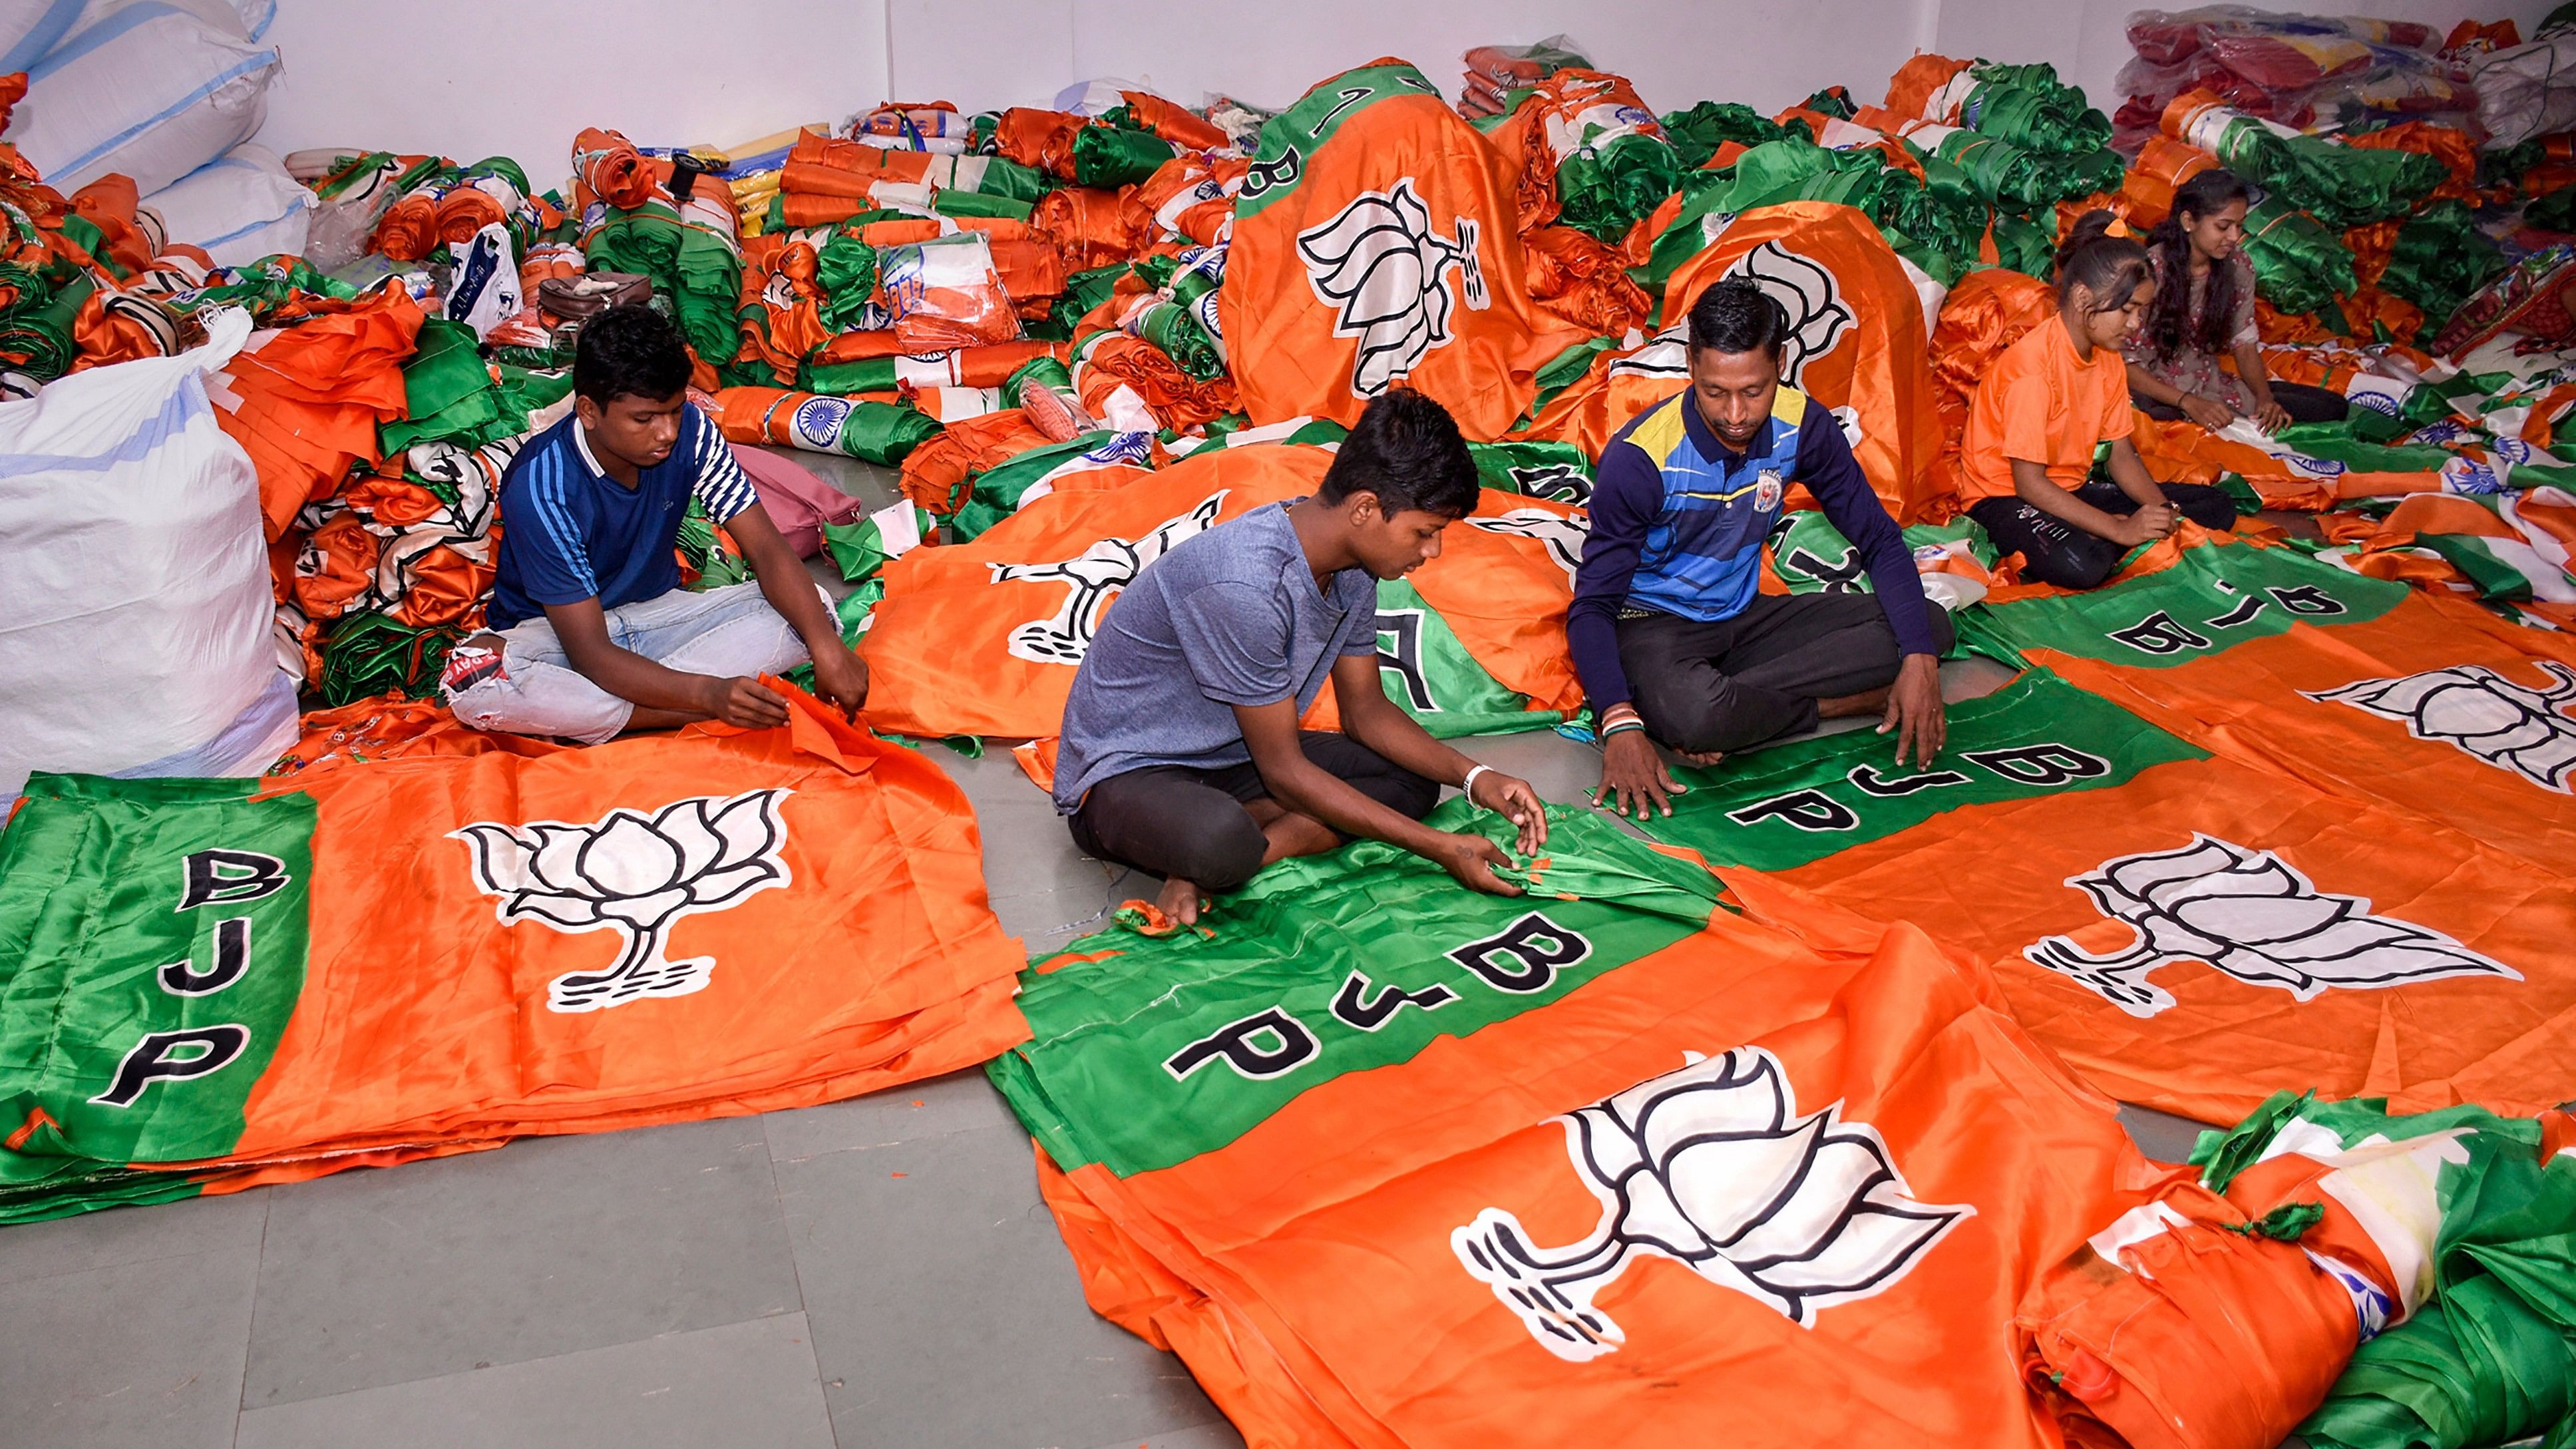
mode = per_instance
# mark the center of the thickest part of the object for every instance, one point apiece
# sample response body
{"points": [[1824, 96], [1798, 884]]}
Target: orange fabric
{"points": [[1910, 90], [879, 855], [1169, 121], [1043, 139], [2042, 405], [109, 204], [306, 401], [2185, 452], [1334, 1218], [902, 231], [2197, 1338], [464, 211], [1296, 334], [2372, 247], [1859, 334], [937, 473], [1190, 195], [1088, 225], [1176, 399], [821, 166], [1584, 281], [105, 337], [408, 231], [2449, 145], [607, 167], [1989, 311], [2163, 165]]}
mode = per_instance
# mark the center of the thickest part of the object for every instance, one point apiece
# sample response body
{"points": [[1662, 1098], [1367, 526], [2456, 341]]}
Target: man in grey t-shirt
{"points": [[1181, 753]]}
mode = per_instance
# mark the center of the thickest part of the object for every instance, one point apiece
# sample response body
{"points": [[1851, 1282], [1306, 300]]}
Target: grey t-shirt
{"points": [[1230, 617]]}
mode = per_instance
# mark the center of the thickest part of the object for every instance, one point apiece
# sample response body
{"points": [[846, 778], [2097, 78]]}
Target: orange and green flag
{"points": [[1389, 1162], [210, 983], [2431, 709], [2187, 930], [1376, 242]]}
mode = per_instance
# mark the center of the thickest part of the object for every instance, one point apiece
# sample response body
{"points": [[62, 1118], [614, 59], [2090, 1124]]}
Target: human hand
{"points": [[1633, 776], [2152, 521], [842, 677], [746, 703], [2270, 416], [1914, 709], [1470, 861], [1514, 800], [2209, 412]]}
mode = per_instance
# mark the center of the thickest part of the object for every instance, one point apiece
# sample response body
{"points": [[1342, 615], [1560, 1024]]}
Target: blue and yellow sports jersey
{"points": [[1702, 556]]}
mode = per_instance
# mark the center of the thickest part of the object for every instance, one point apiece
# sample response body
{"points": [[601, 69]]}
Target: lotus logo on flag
{"points": [[2249, 914], [1562, 536], [2482, 713], [634, 874], [1381, 264], [1092, 581], [1713, 1167], [1808, 293]]}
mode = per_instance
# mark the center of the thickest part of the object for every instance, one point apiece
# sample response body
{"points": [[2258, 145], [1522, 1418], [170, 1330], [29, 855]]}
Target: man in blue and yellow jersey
{"points": [[1670, 633]]}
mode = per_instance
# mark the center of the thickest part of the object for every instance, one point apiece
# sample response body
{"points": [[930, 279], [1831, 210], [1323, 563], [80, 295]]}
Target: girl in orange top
{"points": [[2049, 400]]}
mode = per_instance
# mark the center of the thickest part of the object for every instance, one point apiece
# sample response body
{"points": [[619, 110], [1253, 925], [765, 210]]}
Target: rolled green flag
{"points": [[367, 654], [861, 549], [2028, 106], [1113, 156], [1698, 132], [2439, 259], [2299, 266]]}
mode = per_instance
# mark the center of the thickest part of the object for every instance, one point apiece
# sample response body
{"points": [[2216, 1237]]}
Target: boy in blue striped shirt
{"points": [[592, 635]]}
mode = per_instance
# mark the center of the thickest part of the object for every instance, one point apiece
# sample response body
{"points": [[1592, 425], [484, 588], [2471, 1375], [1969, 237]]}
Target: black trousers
{"points": [[2056, 552], [2303, 403], [1171, 820], [1733, 683]]}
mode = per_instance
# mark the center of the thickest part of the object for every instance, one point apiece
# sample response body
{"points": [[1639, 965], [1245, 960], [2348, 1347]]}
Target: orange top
{"points": [[2040, 404]]}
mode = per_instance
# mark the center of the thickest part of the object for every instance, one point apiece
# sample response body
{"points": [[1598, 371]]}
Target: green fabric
{"points": [[1007, 178], [1044, 374], [1292, 139], [1175, 329], [877, 432], [1603, 190], [1782, 807], [2003, 174], [42, 334], [1092, 1082], [716, 564], [364, 655], [846, 269], [2554, 212], [2299, 265], [2029, 107], [952, 202], [1560, 471], [698, 272], [1083, 291], [91, 877], [267, 285], [2172, 616], [859, 548], [994, 493], [1698, 132], [2440, 258], [1811, 556], [1432, 677], [449, 395], [1112, 156], [2342, 186]]}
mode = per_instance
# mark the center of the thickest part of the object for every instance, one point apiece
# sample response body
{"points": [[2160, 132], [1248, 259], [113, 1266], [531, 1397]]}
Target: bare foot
{"points": [[1705, 759], [1179, 900], [1872, 701], [1292, 834]]}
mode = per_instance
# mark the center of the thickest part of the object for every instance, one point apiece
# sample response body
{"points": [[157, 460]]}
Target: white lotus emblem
{"points": [[1813, 299], [1561, 535], [634, 874], [1092, 582], [2249, 914], [1381, 264], [1712, 1167], [2482, 713]]}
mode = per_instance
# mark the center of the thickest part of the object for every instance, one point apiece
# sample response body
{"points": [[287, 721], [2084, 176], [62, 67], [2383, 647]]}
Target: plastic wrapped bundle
{"points": [[1495, 72], [2530, 90], [2299, 266]]}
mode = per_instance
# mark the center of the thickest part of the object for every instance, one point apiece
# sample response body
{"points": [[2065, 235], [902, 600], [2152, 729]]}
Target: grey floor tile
{"points": [[954, 1103], [133, 1235], [1973, 677], [1027, 850], [547, 1246], [1219, 1435], [742, 1384], [1561, 770], [130, 1353], [1048, 919], [930, 1255], [2161, 1135]]}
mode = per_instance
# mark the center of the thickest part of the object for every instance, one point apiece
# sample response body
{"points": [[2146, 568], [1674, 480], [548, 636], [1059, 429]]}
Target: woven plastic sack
{"points": [[2528, 90], [134, 581], [150, 89], [238, 208]]}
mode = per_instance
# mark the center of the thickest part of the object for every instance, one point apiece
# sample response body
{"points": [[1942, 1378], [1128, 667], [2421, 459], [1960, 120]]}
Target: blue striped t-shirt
{"points": [[570, 532]]}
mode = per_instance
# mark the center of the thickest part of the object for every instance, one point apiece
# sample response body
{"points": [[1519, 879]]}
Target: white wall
{"points": [[437, 79]]}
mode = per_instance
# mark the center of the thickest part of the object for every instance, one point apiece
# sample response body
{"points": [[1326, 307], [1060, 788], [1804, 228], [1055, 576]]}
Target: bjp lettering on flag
{"points": [[2429, 708], [1391, 1163], [2189, 931], [1376, 242], [985, 637], [215, 984]]}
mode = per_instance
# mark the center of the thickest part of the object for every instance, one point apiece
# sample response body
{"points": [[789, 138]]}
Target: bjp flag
{"points": [[1376, 242], [214, 983], [2428, 708], [985, 637], [1388, 1162]]}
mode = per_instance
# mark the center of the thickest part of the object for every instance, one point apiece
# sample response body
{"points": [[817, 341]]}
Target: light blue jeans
{"points": [[726, 632]]}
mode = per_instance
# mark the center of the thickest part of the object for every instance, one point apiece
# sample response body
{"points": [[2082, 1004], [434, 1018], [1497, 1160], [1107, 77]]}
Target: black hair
{"points": [[1407, 450], [2170, 326], [629, 351], [2110, 267], [1737, 316]]}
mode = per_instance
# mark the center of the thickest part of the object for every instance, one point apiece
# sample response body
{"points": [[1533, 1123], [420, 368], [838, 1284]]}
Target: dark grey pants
{"points": [[2054, 551], [1171, 820], [1734, 683]]}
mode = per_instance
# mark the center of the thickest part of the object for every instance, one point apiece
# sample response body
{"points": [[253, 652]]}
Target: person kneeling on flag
{"points": [[1670, 634], [592, 634], [1181, 754], [2049, 400]]}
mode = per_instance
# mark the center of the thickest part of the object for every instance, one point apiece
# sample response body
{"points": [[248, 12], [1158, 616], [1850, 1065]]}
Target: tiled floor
{"points": [[872, 1273]]}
